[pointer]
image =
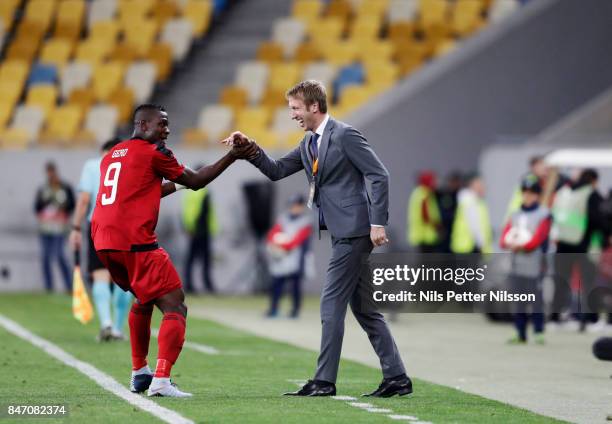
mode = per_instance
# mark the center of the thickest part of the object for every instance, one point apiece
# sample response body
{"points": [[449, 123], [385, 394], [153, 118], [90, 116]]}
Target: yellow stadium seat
{"points": [[139, 35], [84, 98], [306, 9], [234, 97], [69, 19], [106, 79], [41, 12], [10, 92], [94, 51], [31, 30], [408, 64], [134, 10], [269, 51], [7, 13], [401, 31], [326, 30], [44, 96], [366, 28], [377, 8], [433, 13], [164, 10], [123, 53], [375, 51], [339, 8], [161, 55], [63, 124], [252, 117], [274, 98], [466, 17], [6, 111], [340, 53], [105, 30], [123, 100], [199, 13], [353, 96], [381, 73], [307, 52], [56, 52], [446, 46], [291, 139], [14, 72], [284, 75], [23, 48], [265, 138]]}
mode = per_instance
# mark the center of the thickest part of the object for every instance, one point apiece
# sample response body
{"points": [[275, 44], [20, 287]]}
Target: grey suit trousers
{"points": [[341, 288]]}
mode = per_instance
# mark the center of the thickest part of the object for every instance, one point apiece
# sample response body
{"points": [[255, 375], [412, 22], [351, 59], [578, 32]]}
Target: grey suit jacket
{"points": [[345, 161]]}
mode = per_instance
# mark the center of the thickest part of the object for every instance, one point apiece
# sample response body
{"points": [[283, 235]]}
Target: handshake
{"points": [[242, 146]]}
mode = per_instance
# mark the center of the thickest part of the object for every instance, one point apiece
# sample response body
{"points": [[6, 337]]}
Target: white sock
{"points": [[143, 370]]}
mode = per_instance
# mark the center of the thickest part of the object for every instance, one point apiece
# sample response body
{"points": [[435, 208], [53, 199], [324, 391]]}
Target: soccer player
{"points": [[110, 328], [122, 228]]}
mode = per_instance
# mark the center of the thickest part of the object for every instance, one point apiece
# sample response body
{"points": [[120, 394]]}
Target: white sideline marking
{"points": [[361, 405], [403, 417], [379, 410], [344, 398], [368, 406], [103, 380], [209, 350]]}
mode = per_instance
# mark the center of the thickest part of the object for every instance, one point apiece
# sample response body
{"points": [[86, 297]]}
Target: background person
{"points": [[288, 243], [103, 292], [424, 222], [526, 235], [53, 205], [200, 223]]}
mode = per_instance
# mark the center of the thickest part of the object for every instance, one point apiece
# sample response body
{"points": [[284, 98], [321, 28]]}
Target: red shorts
{"points": [[149, 275]]}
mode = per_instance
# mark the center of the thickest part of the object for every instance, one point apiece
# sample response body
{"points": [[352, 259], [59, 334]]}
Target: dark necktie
{"points": [[313, 148]]}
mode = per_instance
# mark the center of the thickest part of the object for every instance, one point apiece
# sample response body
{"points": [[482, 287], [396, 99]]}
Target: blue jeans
{"points": [[53, 248]]}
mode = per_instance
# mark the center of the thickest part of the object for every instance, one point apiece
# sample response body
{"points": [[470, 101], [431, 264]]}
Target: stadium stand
{"points": [[357, 48], [72, 70]]}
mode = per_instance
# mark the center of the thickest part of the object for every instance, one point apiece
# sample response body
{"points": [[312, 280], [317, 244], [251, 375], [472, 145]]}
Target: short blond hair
{"points": [[311, 92]]}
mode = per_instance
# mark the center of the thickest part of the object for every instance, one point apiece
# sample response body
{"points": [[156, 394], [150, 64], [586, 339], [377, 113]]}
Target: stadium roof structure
{"points": [[580, 158]]}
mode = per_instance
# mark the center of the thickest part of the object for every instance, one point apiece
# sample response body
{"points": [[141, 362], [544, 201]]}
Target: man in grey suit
{"points": [[337, 159]]}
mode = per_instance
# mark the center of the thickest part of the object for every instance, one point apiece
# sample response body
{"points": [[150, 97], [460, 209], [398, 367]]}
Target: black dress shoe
{"points": [[315, 388], [400, 385]]}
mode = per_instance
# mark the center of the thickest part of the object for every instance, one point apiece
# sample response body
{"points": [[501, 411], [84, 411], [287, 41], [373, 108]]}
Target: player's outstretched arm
{"points": [[273, 169], [200, 178]]}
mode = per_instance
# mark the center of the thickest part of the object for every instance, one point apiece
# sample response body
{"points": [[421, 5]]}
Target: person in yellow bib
{"points": [[472, 227], [424, 223], [200, 224]]}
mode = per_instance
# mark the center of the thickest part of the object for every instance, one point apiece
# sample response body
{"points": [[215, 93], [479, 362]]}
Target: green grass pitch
{"points": [[243, 384]]}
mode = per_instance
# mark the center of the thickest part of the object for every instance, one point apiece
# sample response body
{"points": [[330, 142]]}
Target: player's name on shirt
{"points": [[119, 153]]}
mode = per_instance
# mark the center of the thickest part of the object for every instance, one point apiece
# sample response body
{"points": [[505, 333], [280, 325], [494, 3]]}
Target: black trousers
{"points": [[199, 249]]}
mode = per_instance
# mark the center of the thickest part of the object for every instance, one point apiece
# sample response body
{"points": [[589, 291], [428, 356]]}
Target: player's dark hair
{"points": [[147, 107], [588, 176], [535, 159], [110, 144]]}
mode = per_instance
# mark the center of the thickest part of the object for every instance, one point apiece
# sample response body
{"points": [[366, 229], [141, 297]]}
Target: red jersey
{"points": [[127, 206]]}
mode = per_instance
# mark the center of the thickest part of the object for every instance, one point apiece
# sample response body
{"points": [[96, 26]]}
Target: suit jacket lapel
{"points": [[329, 128], [306, 153]]}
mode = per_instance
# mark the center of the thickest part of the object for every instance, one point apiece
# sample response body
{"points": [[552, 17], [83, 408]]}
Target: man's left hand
{"points": [[378, 236]]}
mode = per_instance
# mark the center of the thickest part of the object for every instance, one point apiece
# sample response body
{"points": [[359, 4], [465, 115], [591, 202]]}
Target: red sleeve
{"points": [[540, 235], [166, 165], [273, 231], [502, 241], [299, 238]]}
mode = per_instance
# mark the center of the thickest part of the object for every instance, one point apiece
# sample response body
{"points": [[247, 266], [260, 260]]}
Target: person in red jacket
{"points": [[287, 244], [526, 235]]}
